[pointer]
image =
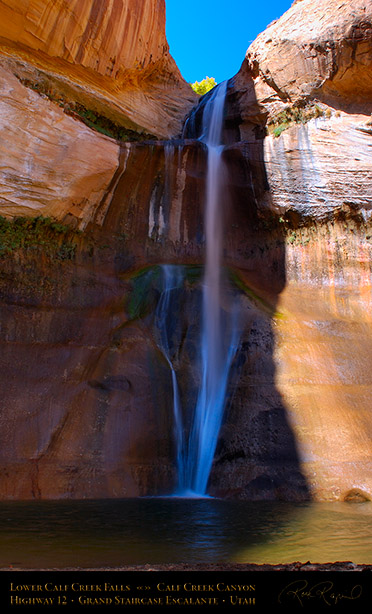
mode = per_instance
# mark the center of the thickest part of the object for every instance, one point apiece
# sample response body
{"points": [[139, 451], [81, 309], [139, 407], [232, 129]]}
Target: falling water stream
{"points": [[171, 282], [218, 336], [218, 341]]}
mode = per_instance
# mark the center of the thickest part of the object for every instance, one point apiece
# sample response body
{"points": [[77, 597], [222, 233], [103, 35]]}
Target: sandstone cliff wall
{"points": [[86, 410], [317, 49], [86, 398], [70, 71], [112, 57], [45, 167]]}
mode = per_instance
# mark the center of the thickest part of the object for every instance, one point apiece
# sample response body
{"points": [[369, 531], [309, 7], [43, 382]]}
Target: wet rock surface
{"points": [[87, 403]]}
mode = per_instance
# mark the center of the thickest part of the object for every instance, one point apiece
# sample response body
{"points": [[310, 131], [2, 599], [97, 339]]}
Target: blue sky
{"points": [[210, 37]]}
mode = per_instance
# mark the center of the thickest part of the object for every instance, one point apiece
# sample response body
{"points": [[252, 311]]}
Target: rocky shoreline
{"points": [[216, 567]]}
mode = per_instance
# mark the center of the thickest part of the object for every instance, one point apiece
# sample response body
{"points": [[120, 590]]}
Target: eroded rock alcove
{"points": [[86, 394]]}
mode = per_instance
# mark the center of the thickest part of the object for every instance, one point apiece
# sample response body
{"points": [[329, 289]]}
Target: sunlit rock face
{"points": [[321, 169], [323, 357], [305, 376], [110, 56], [316, 49], [62, 64], [44, 166]]}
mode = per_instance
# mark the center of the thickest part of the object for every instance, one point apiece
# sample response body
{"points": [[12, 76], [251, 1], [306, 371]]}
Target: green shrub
{"points": [[42, 233], [279, 129], [294, 115], [202, 87]]}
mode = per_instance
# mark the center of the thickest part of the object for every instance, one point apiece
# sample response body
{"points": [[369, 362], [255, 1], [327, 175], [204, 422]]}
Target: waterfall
{"points": [[172, 280], [196, 446], [218, 334]]}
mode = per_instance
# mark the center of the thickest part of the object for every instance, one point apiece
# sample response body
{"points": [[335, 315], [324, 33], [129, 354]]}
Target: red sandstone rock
{"points": [[321, 49], [113, 55], [322, 167], [84, 409], [50, 164], [85, 403], [109, 57], [317, 59]]}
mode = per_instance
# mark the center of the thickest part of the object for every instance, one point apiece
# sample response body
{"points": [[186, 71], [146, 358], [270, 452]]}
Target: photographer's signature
{"points": [[302, 591]]}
